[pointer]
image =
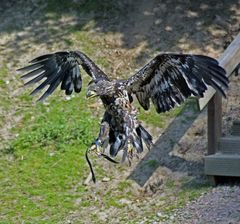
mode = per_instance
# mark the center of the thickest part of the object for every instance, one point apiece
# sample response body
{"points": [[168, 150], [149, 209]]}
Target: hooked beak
{"points": [[91, 94]]}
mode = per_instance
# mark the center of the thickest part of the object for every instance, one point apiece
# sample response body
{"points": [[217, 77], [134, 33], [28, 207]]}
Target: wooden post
{"points": [[214, 123]]}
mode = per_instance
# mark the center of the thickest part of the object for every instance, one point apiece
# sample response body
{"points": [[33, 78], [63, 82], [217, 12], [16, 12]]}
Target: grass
{"points": [[42, 165], [38, 185], [4, 98], [3, 72], [3, 77], [159, 120]]}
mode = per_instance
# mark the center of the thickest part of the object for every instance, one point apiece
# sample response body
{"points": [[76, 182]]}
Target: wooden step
{"points": [[229, 145], [236, 128], [222, 165]]}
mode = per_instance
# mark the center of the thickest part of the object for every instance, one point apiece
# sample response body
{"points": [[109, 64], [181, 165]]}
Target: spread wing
{"points": [[169, 79], [60, 67]]}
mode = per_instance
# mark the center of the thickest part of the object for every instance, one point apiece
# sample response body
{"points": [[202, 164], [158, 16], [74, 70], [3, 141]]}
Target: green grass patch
{"points": [[152, 163], [3, 74], [43, 164], [113, 201], [3, 78], [123, 185], [161, 120], [5, 100], [158, 120]]}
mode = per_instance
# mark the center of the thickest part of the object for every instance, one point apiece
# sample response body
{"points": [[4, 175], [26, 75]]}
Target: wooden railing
{"points": [[229, 60]]}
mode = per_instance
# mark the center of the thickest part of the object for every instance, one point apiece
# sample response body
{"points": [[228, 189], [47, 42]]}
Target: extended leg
{"points": [[101, 142], [99, 145], [103, 137]]}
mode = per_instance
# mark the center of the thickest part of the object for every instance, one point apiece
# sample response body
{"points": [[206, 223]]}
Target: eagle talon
{"points": [[130, 149], [93, 147], [96, 147]]}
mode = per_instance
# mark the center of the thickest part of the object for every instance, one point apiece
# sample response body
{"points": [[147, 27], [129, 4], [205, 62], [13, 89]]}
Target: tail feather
{"points": [[127, 139], [120, 142], [136, 142], [147, 138], [136, 139]]}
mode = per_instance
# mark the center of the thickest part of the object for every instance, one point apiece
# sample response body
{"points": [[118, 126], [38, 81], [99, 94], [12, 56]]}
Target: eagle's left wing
{"points": [[60, 67], [169, 79]]}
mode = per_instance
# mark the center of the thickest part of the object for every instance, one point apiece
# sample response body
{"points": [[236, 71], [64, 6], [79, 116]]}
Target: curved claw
{"points": [[99, 151], [99, 148], [96, 147]]}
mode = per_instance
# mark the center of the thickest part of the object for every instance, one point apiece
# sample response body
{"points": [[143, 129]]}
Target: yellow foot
{"points": [[96, 148], [130, 149]]}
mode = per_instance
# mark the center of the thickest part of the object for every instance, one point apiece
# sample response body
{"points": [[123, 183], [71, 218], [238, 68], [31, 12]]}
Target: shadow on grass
{"points": [[160, 153]]}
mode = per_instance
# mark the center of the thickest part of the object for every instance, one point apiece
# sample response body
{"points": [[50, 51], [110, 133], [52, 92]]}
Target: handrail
{"points": [[228, 60]]}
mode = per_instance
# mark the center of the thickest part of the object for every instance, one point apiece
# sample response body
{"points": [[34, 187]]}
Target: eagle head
{"points": [[100, 88]]}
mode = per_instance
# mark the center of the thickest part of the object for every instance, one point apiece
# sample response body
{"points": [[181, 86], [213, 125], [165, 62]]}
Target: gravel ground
{"points": [[221, 205]]}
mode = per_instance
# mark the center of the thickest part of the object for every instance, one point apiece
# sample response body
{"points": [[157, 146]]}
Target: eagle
{"points": [[167, 81]]}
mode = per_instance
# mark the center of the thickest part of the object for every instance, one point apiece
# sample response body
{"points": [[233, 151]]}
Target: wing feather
{"points": [[169, 79], [60, 67]]}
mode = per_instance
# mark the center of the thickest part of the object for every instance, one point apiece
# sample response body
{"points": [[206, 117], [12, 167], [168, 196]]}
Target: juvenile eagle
{"points": [[167, 80]]}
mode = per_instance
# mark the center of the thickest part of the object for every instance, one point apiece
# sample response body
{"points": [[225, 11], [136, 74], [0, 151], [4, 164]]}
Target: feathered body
{"points": [[167, 80], [124, 130]]}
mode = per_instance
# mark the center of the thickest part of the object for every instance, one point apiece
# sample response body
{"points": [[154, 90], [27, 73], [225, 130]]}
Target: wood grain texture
{"points": [[214, 123], [229, 145], [222, 165]]}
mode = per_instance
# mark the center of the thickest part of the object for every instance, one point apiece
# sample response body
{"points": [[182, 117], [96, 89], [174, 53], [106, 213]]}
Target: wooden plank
{"points": [[222, 165], [229, 61], [229, 145], [236, 128], [214, 123]]}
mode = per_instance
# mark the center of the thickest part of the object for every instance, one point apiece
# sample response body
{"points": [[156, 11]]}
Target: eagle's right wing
{"points": [[60, 67], [169, 79]]}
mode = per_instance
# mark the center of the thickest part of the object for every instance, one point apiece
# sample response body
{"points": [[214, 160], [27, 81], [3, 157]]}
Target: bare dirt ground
{"points": [[203, 27]]}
